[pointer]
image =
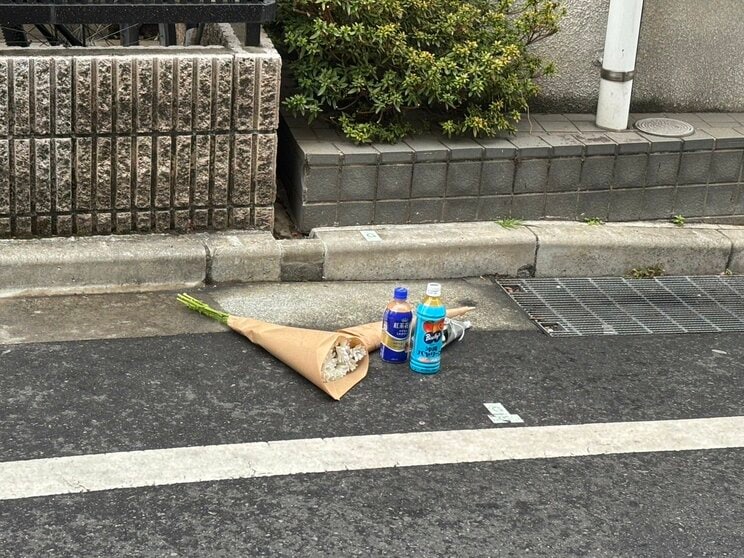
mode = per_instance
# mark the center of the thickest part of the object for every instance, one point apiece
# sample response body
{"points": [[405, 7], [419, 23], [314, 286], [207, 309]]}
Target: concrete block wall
{"points": [[139, 139], [556, 167]]}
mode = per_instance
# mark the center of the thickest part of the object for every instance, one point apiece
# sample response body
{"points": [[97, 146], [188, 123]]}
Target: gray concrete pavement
{"points": [[324, 305], [100, 316], [333, 304]]}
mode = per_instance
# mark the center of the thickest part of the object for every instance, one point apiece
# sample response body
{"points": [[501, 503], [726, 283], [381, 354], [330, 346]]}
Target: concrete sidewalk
{"points": [[386, 252]]}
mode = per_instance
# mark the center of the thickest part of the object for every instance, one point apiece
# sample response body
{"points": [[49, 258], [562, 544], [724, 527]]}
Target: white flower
{"points": [[342, 360]]}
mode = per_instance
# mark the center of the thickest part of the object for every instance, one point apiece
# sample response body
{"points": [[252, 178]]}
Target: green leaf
{"points": [[377, 66]]}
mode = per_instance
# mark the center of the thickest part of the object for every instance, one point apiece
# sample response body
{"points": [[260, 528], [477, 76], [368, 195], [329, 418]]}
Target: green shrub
{"points": [[379, 67]]}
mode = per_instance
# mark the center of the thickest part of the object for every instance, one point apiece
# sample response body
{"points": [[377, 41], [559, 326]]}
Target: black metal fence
{"points": [[65, 21]]}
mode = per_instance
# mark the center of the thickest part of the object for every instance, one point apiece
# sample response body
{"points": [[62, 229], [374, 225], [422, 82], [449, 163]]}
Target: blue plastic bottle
{"points": [[426, 348], [396, 327]]}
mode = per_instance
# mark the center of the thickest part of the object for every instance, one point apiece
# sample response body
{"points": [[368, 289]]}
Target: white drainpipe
{"points": [[618, 64]]}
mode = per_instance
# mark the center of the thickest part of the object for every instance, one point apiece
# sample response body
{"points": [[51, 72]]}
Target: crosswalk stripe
{"points": [[108, 471]]}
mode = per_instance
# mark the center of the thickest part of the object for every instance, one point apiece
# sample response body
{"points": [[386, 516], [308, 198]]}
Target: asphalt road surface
{"points": [[631, 446]]}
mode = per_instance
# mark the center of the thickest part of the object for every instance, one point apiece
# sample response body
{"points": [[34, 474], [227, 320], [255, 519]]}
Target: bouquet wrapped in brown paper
{"points": [[333, 361]]}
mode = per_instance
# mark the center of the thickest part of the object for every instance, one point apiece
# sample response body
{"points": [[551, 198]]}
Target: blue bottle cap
{"points": [[400, 293]]}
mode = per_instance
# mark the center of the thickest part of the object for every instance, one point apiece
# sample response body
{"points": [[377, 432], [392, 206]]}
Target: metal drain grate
{"points": [[618, 306]]}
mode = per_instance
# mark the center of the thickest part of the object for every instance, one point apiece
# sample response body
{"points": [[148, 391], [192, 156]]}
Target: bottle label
{"points": [[426, 345], [430, 349], [396, 327]]}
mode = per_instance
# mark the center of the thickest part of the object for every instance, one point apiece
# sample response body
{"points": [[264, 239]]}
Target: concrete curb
{"points": [[100, 264], [442, 250], [242, 258], [402, 252], [580, 250]]}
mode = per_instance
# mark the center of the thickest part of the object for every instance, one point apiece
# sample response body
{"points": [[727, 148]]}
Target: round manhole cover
{"points": [[665, 127]]}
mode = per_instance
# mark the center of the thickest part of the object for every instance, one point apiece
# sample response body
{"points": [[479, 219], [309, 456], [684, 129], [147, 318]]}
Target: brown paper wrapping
{"points": [[303, 350], [371, 334]]}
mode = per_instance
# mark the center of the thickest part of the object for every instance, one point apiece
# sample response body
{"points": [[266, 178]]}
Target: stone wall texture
{"points": [[138, 140]]}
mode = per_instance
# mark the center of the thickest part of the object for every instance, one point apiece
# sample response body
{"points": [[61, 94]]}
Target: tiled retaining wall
{"points": [[557, 166], [138, 139]]}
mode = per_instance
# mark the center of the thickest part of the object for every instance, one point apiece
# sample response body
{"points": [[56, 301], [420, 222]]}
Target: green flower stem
{"points": [[198, 306]]}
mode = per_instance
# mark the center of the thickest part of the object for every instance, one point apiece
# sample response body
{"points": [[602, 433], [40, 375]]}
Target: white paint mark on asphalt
{"points": [[68, 475]]}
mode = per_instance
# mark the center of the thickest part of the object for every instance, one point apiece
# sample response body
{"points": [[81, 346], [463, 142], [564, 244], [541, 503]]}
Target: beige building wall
{"points": [[690, 57]]}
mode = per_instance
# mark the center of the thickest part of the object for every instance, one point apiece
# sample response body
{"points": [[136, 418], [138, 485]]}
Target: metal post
{"points": [[167, 34], [618, 64]]}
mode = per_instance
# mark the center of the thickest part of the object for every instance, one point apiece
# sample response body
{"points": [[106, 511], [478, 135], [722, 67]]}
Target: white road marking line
{"points": [[107, 471]]}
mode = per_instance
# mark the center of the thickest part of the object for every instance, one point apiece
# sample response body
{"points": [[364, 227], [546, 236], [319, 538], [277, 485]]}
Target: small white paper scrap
{"points": [[499, 415], [371, 236], [496, 408], [719, 351], [506, 419]]}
